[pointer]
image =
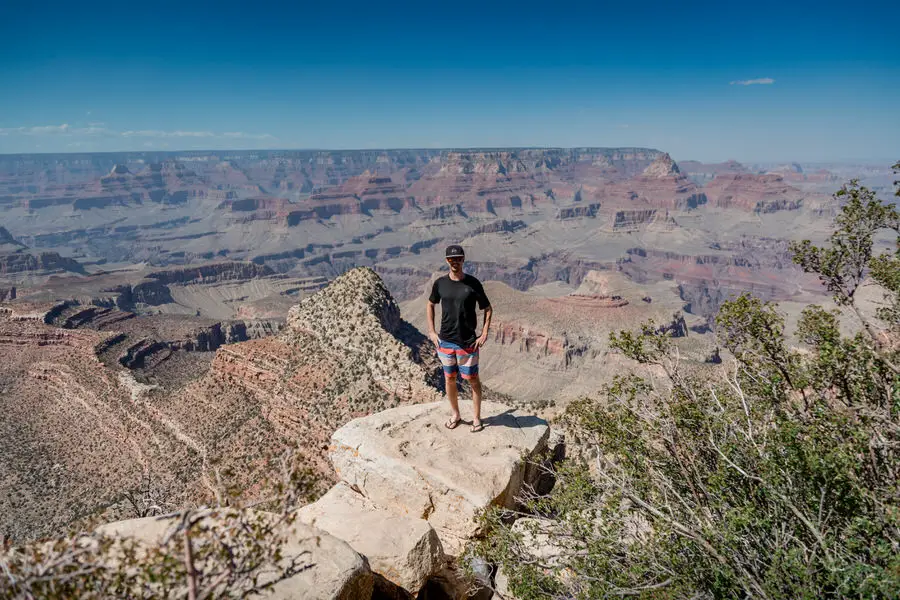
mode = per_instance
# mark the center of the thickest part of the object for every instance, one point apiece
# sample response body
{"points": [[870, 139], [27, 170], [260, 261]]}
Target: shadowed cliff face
{"points": [[38, 264], [8, 243], [16, 262]]}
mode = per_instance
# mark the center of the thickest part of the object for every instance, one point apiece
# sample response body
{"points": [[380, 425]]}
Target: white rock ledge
{"points": [[338, 572], [404, 550], [405, 461]]}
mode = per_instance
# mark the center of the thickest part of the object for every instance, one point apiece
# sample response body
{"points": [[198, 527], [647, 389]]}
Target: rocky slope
{"points": [[344, 353], [405, 506], [74, 434]]}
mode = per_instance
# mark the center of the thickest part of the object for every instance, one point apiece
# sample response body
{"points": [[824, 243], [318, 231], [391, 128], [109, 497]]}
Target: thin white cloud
{"points": [[163, 134], [248, 136], [198, 134], [50, 129], [144, 133], [192, 134], [98, 129], [760, 81], [92, 130], [63, 129], [39, 130]]}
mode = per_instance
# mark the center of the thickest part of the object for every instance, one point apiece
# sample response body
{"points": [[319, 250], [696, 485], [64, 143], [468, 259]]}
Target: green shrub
{"points": [[774, 475]]}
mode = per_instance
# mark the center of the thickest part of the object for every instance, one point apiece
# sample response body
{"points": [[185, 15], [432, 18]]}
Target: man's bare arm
{"points": [[432, 334], [488, 312]]}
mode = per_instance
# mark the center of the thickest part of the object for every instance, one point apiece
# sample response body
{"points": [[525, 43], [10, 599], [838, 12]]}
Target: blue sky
{"points": [[708, 81]]}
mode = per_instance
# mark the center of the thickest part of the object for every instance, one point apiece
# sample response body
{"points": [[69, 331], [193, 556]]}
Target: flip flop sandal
{"points": [[477, 428], [452, 424]]}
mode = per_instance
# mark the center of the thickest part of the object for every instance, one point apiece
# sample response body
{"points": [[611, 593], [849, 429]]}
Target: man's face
{"points": [[456, 263]]}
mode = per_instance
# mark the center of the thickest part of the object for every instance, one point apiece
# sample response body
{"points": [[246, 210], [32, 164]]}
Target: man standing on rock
{"points": [[457, 344]]}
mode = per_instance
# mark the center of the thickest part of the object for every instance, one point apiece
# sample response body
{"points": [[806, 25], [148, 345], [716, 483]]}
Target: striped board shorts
{"points": [[457, 359]]}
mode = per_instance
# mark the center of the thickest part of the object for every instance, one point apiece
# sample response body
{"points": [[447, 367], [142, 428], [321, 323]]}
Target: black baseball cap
{"points": [[454, 251]]}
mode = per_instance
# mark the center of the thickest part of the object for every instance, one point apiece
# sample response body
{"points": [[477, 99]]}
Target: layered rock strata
{"points": [[755, 193], [636, 220]]}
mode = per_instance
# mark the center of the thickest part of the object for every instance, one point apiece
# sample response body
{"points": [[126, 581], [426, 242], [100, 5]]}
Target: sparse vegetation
{"points": [[778, 478], [220, 552]]}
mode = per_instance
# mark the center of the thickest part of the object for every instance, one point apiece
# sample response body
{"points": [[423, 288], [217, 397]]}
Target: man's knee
{"points": [[450, 376]]}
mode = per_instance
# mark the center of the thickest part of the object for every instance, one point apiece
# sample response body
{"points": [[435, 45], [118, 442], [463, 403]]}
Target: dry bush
{"points": [[222, 552]]}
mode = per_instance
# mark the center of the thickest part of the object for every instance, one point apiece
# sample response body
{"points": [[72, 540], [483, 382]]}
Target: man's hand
{"points": [[433, 336], [482, 340]]}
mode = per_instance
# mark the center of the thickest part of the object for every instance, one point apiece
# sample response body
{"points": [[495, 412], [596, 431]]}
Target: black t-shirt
{"points": [[458, 298]]}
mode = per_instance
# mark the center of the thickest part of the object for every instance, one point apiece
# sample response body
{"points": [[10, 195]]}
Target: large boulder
{"points": [[402, 549], [406, 461], [337, 572]]}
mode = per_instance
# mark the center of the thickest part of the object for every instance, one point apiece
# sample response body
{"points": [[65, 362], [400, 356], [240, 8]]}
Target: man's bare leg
{"points": [[452, 396], [475, 382]]}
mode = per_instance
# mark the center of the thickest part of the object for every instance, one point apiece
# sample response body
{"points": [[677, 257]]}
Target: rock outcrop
{"points": [[336, 572], [410, 489], [344, 353], [703, 172], [755, 193], [663, 166], [405, 507], [705, 280], [403, 550], [636, 220], [660, 185], [358, 314], [583, 210], [404, 460]]}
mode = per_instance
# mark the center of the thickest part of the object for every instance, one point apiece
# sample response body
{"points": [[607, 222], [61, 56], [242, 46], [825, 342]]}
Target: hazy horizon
{"points": [[874, 161], [804, 82]]}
